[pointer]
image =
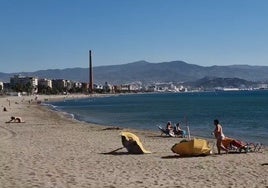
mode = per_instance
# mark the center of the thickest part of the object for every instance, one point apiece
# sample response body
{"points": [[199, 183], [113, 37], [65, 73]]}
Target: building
{"points": [[107, 88], [45, 82], [60, 84], [77, 84], [24, 83], [1, 86]]}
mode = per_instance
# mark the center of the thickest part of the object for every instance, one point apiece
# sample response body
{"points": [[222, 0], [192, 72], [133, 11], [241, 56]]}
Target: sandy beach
{"points": [[51, 150]]}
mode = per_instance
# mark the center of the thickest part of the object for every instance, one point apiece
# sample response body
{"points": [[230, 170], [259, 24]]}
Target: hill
{"points": [[175, 71], [214, 82]]}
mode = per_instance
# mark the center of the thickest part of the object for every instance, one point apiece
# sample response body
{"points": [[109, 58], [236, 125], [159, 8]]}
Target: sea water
{"points": [[243, 114]]}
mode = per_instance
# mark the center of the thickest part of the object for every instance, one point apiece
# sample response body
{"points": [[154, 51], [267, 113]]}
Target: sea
{"points": [[243, 114]]}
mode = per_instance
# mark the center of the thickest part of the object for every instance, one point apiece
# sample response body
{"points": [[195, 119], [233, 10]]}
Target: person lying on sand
{"points": [[14, 119]]}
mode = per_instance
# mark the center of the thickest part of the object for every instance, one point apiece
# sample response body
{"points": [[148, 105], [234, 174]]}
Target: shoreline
{"points": [[50, 150], [152, 128], [57, 98], [72, 116]]}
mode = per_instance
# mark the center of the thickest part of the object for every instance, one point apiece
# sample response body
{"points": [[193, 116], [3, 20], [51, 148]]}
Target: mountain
{"points": [[175, 71], [213, 82]]}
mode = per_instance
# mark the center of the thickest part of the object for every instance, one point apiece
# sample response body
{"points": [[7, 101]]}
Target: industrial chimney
{"points": [[90, 74]]}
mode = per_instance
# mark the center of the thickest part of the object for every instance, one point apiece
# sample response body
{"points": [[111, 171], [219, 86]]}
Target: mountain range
{"points": [[174, 71]]}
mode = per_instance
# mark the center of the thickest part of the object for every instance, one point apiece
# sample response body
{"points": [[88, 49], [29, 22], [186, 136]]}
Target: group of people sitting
{"points": [[173, 130]]}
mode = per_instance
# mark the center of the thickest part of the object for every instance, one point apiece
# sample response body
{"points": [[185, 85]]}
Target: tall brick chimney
{"points": [[90, 74]]}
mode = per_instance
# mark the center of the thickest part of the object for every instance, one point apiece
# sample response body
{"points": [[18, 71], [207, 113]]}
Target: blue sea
{"points": [[243, 114]]}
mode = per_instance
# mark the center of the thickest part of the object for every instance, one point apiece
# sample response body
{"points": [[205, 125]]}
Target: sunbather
{"points": [[178, 131], [169, 128], [14, 119], [230, 143]]}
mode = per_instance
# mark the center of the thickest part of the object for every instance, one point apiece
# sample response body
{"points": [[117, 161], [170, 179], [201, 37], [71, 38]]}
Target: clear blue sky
{"points": [[50, 34]]}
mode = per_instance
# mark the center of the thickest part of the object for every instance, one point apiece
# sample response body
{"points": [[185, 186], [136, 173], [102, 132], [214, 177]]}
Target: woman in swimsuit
{"points": [[218, 133]]}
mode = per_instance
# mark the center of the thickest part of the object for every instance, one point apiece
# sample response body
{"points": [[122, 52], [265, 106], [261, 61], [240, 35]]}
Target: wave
{"points": [[61, 112]]}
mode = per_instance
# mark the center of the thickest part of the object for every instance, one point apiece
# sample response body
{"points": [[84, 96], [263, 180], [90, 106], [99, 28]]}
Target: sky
{"points": [[57, 34]]}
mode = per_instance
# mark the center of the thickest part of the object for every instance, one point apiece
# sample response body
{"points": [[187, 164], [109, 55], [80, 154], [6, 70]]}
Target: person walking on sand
{"points": [[218, 133]]}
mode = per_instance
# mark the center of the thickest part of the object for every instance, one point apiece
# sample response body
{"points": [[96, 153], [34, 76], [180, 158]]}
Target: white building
{"points": [[77, 84], [45, 82], [1, 86]]}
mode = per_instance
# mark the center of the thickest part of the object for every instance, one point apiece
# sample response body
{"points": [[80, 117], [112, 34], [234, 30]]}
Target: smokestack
{"points": [[90, 74]]}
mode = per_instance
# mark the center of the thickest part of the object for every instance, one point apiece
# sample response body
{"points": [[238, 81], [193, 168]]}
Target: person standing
{"points": [[218, 133]]}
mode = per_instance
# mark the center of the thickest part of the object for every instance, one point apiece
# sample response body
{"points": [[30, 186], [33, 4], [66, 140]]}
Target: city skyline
{"points": [[39, 35]]}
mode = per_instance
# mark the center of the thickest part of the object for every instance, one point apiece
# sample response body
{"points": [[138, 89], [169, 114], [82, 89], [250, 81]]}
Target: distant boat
{"points": [[231, 89], [227, 89]]}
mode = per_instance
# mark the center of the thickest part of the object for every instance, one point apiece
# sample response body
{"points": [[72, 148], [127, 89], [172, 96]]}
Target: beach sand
{"points": [[51, 150]]}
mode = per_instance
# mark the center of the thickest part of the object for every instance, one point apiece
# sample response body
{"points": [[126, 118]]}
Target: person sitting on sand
{"points": [[15, 120], [218, 133]]}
